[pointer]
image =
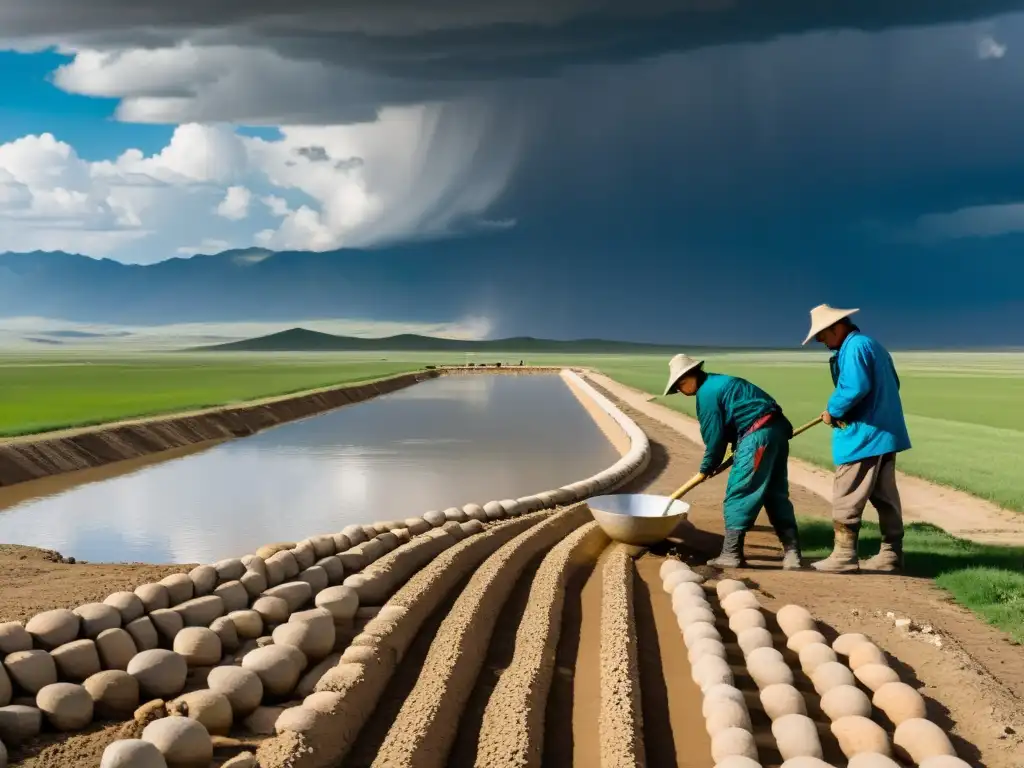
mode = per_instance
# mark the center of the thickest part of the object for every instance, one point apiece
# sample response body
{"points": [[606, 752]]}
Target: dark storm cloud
{"points": [[314, 154], [461, 39]]}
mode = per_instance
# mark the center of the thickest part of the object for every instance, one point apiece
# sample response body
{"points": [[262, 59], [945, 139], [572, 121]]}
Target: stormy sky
{"points": [[657, 170]]}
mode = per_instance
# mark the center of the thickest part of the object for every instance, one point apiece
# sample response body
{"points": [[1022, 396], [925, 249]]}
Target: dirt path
{"points": [[964, 668], [959, 513]]}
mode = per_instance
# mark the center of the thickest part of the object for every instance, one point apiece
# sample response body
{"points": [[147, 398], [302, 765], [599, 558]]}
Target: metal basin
{"points": [[636, 518]]}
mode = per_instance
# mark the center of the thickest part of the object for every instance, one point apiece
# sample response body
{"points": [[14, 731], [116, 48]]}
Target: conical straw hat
{"points": [[823, 316], [678, 367]]}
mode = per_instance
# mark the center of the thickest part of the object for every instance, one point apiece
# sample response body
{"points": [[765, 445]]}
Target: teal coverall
{"points": [[727, 407]]}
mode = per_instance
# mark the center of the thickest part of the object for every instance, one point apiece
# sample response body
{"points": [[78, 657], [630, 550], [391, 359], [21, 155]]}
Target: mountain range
{"points": [[304, 340]]}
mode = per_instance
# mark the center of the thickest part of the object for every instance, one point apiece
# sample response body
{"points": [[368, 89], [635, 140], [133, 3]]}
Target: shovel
{"points": [[693, 482]]}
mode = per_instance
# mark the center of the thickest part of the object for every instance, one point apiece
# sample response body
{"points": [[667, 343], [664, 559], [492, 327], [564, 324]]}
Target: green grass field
{"points": [[44, 393], [987, 580], [963, 410]]}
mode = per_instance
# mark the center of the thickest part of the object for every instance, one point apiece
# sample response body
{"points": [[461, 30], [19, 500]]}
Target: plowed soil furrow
{"points": [[362, 684], [559, 714], [424, 731], [674, 733], [512, 729], [584, 746], [402, 682], [500, 654], [621, 727]]}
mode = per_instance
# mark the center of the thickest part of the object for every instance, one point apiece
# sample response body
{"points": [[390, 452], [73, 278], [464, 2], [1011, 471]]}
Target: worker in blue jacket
{"points": [[733, 411], [867, 399]]}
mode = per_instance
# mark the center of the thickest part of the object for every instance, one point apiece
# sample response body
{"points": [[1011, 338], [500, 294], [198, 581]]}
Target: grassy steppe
{"points": [[964, 411]]}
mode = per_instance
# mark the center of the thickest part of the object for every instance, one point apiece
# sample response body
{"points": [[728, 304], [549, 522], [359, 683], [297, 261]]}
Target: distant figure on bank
{"points": [[867, 399], [732, 410]]}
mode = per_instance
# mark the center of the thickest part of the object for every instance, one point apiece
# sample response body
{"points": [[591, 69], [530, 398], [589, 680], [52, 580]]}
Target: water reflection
{"points": [[443, 442]]}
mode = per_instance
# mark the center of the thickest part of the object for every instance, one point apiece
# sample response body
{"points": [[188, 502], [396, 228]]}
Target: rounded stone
{"points": [[814, 655], [678, 577], [700, 631], [844, 644], [796, 736], [167, 622], [921, 740], [807, 637], [334, 569], [132, 753], [67, 707], [229, 569], [435, 518], [312, 633], [97, 618], [273, 610], [183, 742], [454, 514], [323, 546], [278, 667], [143, 634], [753, 638], [295, 593], [153, 596], [475, 512], [254, 583], [19, 723], [200, 611], [116, 648], [874, 676], [899, 702], [782, 699], [115, 694], [242, 687], [830, 675], [14, 638], [204, 579], [76, 660], [857, 734], [748, 618], [845, 701], [795, 618], [127, 604], [740, 601], [248, 624], [234, 596], [316, 577], [209, 708], [224, 628], [726, 587], [179, 588], [866, 653], [160, 673], [733, 742], [199, 646], [31, 670], [342, 602], [51, 629]]}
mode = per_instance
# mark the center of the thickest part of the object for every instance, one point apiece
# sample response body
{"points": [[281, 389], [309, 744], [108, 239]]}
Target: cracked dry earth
{"points": [[543, 644]]}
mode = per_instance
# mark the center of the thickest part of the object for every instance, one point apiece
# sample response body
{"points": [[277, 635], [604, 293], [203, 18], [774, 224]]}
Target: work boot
{"points": [[791, 557], [888, 560], [844, 551], [732, 551]]}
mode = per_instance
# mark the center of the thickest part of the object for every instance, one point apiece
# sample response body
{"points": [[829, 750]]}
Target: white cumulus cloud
{"points": [[235, 205], [990, 48], [413, 171]]}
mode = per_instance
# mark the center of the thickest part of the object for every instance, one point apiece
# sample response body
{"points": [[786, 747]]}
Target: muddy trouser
{"points": [[759, 478], [872, 479]]}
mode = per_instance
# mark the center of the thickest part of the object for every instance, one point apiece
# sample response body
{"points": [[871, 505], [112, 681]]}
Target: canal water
{"points": [[444, 442]]}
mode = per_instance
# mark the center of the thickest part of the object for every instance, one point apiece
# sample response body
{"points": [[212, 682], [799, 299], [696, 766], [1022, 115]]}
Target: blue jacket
{"points": [[727, 406], [867, 397]]}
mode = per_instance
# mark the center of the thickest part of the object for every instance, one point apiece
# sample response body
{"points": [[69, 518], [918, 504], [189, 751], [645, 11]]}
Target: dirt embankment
{"points": [[27, 459]]}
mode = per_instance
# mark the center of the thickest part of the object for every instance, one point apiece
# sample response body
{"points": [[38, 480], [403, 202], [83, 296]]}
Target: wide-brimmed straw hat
{"points": [[679, 366], [824, 316]]}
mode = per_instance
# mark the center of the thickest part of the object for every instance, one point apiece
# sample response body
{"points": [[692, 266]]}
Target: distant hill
{"points": [[303, 340]]}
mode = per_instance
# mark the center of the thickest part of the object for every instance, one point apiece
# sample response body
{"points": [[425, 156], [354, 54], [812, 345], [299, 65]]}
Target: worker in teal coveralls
{"points": [[733, 411]]}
